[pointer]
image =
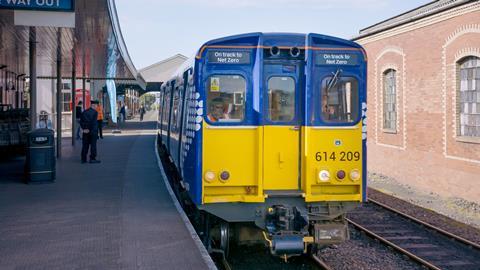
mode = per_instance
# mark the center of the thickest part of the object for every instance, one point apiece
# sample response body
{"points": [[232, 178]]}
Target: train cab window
{"points": [[281, 98], [339, 99], [226, 98]]}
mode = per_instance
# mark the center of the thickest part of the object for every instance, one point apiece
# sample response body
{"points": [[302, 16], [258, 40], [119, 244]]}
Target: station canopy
{"points": [[95, 45]]}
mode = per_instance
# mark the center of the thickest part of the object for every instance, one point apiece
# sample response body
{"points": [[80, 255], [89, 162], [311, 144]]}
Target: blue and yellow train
{"points": [[269, 129]]}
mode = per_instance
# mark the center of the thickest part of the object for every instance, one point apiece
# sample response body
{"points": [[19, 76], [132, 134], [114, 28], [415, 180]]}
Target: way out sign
{"points": [[44, 5]]}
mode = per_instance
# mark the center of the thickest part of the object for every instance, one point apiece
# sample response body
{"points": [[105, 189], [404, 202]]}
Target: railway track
{"points": [[259, 260], [320, 263], [424, 243]]}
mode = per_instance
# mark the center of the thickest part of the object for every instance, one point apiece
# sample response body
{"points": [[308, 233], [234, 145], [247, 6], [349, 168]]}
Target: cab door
{"points": [[282, 91]]}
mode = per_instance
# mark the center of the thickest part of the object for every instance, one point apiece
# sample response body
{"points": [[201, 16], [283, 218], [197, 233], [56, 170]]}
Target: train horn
{"points": [[294, 52], [274, 51]]}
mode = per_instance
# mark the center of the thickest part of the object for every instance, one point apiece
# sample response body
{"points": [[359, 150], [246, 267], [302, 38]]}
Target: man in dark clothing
{"points": [[142, 112], [89, 126], [123, 113]]}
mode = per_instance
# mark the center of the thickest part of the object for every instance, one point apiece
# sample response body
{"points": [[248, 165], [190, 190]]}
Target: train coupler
{"points": [[288, 245]]}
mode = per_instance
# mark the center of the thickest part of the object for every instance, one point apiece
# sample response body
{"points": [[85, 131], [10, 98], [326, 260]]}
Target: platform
{"points": [[113, 215]]}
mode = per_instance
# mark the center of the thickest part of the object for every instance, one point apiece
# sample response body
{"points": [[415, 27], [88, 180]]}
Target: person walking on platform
{"points": [[89, 125], [99, 110], [142, 112], [123, 114], [78, 115]]}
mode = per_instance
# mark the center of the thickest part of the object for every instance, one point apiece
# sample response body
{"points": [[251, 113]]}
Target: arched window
{"points": [[468, 101], [390, 100]]}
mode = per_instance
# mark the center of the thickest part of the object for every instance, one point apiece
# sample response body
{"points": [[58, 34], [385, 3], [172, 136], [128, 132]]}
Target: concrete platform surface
{"points": [[113, 215]]}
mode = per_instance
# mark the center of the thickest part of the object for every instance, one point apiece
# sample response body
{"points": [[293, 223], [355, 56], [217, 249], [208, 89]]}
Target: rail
{"points": [[402, 233], [321, 263]]}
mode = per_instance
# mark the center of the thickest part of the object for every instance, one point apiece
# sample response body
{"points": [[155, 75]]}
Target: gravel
{"points": [[457, 209], [363, 253], [359, 253], [258, 257], [428, 216]]}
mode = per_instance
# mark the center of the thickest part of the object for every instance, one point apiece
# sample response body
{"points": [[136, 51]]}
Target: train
{"points": [[269, 129]]}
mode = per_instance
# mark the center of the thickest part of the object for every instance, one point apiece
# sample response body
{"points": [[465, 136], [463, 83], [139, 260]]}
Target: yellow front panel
{"points": [[238, 152], [281, 158], [332, 149]]}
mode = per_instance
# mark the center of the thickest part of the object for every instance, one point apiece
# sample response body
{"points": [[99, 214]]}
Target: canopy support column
{"points": [[74, 98], [59, 93], [32, 61]]}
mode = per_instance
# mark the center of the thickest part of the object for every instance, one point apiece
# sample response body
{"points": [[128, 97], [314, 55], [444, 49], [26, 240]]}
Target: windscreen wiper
{"points": [[334, 80]]}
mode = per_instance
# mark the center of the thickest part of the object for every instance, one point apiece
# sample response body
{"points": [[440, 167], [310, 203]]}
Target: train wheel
{"points": [[225, 237]]}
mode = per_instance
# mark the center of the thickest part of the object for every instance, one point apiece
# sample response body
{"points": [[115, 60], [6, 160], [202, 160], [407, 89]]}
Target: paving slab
{"points": [[114, 215]]}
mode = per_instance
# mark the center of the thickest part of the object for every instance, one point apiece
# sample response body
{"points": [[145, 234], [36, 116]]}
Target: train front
{"points": [[283, 136]]}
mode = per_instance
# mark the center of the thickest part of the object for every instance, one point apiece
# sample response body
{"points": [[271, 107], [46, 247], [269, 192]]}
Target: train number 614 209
{"points": [[334, 156]]}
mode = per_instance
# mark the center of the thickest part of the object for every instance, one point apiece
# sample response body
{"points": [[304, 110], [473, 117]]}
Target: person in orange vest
{"points": [[99, 110], [217, 110]]}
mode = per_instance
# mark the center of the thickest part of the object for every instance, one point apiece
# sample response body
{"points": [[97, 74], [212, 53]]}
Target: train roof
{"points": [[259, 39]]}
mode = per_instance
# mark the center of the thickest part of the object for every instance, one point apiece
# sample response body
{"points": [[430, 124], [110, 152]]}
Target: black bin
{"points": [[40, 162]]}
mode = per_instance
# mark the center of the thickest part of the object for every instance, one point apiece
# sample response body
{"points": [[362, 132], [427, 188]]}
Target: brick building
{"points": [[424, 97]]}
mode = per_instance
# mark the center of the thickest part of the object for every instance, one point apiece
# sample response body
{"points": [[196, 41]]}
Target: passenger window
{"points": [[226, 98], [339, 100], [281, 99]]}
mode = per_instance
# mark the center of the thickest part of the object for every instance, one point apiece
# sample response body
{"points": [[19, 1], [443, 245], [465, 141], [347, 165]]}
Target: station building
{"points": [[54, 54], [424, 97]]}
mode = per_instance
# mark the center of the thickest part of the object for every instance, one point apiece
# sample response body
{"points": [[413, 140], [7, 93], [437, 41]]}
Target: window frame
{"points": [[68, 103], [458, 77], [267, 103], [245, 100], [385, 129], [320, 99]]}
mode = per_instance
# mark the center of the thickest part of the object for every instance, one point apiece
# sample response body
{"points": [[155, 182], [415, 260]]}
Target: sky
{"points": [[157, 29]]}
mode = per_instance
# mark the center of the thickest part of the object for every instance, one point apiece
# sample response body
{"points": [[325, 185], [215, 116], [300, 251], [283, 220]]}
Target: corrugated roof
{"points": [[412, 15]]}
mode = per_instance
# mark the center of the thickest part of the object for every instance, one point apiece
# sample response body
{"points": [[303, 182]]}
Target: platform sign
{"points": [[338, 59], [41, 5], [228, 57]]}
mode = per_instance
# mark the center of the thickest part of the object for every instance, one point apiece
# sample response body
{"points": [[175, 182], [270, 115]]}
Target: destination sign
{"points": [[44, 5], [228, 57], [342, 59]]}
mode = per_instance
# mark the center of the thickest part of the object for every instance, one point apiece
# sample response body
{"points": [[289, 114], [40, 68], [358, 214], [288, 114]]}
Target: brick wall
{"points": [[425, 150]]}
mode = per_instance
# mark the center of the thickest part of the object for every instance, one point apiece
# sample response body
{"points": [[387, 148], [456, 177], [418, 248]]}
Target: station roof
{"points": [[161, 71], [96, 42], [418, 13]]}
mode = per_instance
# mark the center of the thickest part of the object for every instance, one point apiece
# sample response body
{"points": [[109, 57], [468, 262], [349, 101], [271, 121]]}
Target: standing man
{"points": [[123, 113], [89, 125], [142, 112], [99, 110]]}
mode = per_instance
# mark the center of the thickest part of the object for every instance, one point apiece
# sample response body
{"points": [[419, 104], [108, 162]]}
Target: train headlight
{"points": [[355, 175], [341, 175], [324, 176], [209, 176], [224, 176]]}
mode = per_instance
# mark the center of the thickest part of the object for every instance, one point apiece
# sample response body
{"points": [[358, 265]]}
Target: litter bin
{"points": [[40, 162]]}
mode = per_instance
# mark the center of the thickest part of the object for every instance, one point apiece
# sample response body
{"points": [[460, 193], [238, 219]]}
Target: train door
{"points": [[282, 92]]}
